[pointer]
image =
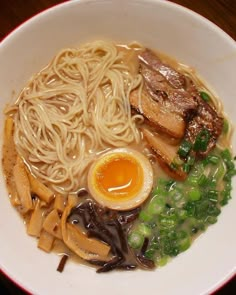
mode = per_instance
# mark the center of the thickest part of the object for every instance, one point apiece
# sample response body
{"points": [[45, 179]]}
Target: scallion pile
{"points": [[178, 211]]}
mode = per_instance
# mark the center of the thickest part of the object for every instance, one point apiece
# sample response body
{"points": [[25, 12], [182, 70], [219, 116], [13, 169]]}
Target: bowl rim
{"points": [[37, 16], [45, 11]]}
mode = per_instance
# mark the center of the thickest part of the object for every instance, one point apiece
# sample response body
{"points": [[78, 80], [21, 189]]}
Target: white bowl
{"points": [[167, 27]]}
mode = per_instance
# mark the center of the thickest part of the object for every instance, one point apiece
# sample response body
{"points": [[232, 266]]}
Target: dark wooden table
{"points": [[14, 12]]}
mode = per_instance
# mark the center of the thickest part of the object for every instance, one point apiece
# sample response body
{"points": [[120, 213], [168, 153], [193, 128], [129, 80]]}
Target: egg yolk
{"points": [[120, 176]]}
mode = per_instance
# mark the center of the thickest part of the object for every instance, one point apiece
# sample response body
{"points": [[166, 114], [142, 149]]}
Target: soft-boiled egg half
{"points": [[120, 179]]}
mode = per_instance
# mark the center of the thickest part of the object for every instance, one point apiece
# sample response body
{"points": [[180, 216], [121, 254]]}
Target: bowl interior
{"points": [[160, 25]]}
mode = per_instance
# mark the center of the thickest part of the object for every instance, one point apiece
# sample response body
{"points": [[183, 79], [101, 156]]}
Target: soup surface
{"points": [[118, 155]]}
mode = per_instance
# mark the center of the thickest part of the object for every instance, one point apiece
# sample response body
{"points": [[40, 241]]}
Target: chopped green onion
{"points": [[229, 174], [219, 172], [156, 206], [186, 168], [226, 196], [190, 160], [184, 244], [202, 140], [159, 191], [144, 230], [152, 224], [182, 214], [182, 234], [190, 208], [226, 155], [205, 96], [213, 195], [212, 159], [167, 222], [184, 148], [201, 209], [212, 219], [213, 210], [135, 240], [194, 195], [230, 165], [224, 202], [144, 216], [176, 194], [170, 248], [172, 235], [175, 251], [150, 253], [170, 185], [227, 158], [189, 163], [162, 187], [212, 182], [193, 180], [225, 126], [228, 186], [198, 169], [162, 261], [203, 180], [155, 245]]}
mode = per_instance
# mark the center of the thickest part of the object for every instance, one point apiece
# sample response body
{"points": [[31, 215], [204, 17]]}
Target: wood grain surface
{"points": [[220, 12], [14, 12]]}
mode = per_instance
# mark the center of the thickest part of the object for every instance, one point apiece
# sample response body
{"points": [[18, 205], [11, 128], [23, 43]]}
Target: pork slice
{"points": [[157, 115], [175, 79], [206, 118], [176, 96], [166, 154], [179, 100]]}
